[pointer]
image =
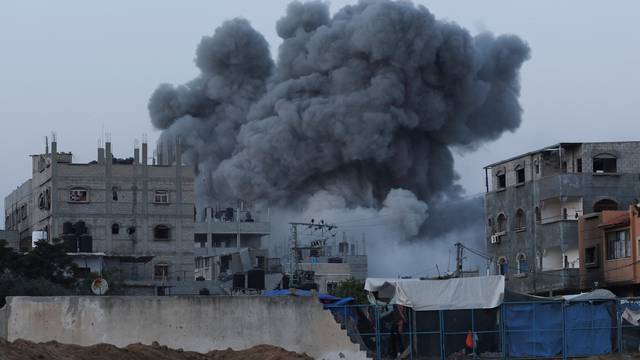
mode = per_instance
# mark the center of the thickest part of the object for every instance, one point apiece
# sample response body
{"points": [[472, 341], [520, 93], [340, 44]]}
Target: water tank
{"points": [[67, 228], [86, 243], [38, 236]]}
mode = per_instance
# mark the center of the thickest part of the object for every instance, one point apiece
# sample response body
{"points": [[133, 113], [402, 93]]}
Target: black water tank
{"points": [[256, 279], [86, 243], [67, 228], [70, 242], [80, 227], [238, 281]]}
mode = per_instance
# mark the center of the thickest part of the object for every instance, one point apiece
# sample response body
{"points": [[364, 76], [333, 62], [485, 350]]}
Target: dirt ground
{"points": [[24, 350]]}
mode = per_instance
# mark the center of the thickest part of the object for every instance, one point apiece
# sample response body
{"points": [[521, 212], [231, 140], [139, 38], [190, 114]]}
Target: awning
{"points": [[484, 292]]}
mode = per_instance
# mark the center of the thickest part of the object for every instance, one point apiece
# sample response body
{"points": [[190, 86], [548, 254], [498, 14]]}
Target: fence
{"points": [[526, 329]]}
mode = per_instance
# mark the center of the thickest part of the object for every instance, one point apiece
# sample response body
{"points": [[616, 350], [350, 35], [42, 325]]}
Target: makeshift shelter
{"points": [[484, 292]]}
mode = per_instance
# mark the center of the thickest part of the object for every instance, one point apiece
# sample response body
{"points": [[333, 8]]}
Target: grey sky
{"points": [[75, 66]]}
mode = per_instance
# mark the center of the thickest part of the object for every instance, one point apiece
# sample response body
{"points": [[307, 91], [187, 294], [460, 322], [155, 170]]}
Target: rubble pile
{"points": [[25, 350]]}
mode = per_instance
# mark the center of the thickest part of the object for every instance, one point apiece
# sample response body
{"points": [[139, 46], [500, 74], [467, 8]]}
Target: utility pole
{"points": [[294, 244], [459, 259]]}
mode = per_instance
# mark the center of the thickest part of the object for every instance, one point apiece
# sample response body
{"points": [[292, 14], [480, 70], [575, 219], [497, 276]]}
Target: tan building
{"points": [[130, 212], [609, 251]]}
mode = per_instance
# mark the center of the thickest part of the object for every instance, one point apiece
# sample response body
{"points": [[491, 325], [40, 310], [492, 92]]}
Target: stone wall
{"points": [[198, 323]]}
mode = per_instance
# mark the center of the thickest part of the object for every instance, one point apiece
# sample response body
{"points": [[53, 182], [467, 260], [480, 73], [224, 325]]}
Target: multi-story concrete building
{"points": [[534, 200], [609, 255], [126, 212]]}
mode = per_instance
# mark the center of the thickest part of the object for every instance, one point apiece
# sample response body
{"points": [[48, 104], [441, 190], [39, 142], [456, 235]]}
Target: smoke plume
{"points": [[362, 107]]}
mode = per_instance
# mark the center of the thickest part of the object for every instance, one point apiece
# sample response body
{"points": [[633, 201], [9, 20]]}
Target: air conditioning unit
{"points": [[495, 239]]}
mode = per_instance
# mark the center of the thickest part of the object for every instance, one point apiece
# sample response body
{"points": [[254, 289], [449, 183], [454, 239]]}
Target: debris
{"points": [[25, 350]]}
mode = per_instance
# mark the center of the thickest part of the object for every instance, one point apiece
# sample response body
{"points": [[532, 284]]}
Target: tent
{"points": [[484, 292]]}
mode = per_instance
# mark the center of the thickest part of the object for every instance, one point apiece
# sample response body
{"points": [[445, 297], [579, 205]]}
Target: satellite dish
{"points": [[99, 286]]}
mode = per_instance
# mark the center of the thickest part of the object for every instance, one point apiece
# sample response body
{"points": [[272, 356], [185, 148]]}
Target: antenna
{"points": [[54, 137], [136, 144]]}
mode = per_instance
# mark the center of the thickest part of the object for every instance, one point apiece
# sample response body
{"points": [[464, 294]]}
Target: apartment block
{"points": [[533, 203], [125, 215]]}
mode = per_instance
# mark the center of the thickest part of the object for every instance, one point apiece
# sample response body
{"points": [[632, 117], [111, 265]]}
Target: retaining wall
{"points": [[197, 323]]}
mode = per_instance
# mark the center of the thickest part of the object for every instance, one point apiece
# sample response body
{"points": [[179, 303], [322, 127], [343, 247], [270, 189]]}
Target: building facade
{"points": [[609, 249], [533, 203], [127, 212]]}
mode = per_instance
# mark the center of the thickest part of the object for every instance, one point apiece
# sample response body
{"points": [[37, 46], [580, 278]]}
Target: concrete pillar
{"points": [[145, 155], [100, 156], [136, 156]]}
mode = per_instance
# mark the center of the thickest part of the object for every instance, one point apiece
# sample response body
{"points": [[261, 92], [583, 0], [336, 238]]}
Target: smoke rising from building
{"points": [[363, 106]]}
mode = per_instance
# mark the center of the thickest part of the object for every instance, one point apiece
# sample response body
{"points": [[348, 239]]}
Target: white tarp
{"points": [[483, 292]]}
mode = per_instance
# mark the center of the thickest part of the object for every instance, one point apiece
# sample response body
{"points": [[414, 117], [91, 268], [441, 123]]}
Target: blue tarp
{"points": [[589, 328], [303, 293], [535, 329]]}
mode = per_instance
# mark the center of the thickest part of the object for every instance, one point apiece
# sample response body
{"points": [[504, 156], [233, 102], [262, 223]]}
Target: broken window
{"points": [[523, 264], [115, 229], [162, 232], [538, 214], [502, 223], [160, 272], [501, 180], [161, 197], [605, 204], [131, 230], [78, 195], [579, 165], [604, 163], [618, 244], [520, 175], [225, 263], [521, 221], [591, 256]]}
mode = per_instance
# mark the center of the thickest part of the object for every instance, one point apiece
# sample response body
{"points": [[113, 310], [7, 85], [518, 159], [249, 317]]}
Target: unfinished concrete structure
{"points": [[534, 200], [124, 214], [229, 246]]}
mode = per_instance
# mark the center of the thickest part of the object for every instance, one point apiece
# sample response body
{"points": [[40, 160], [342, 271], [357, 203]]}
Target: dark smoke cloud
{"points": [[360, 103]]}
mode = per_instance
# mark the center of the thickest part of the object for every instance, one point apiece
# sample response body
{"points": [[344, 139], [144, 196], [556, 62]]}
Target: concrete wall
{"points": [[200, 323]]}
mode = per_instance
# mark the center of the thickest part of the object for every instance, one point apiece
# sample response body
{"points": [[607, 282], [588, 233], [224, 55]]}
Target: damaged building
{"points": [[533, 203], [229, 248], [126, 216]]}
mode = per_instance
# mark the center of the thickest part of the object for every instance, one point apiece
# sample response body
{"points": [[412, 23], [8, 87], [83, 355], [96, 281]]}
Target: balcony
{"points": [[561, 280]]}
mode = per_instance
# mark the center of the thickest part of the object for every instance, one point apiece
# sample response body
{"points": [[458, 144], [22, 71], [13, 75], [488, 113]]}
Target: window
{"points": [[114, 193], [162, 232], [331, 286], [591, 258], [536, 165], [538, 214], [131, 230], [579, 165], [160, 272], [502, 223], [521, 221], [23, 212], [501, 180], [618, 244], [605, 204], [523, 264], [604, 163], [161, 197], [503, 267], [78, 195], [520, 175], [200, 240], [115, 229]]}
